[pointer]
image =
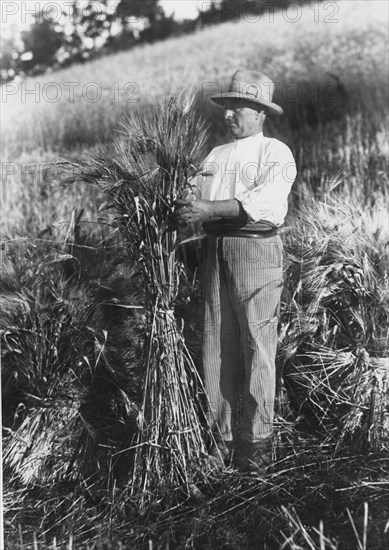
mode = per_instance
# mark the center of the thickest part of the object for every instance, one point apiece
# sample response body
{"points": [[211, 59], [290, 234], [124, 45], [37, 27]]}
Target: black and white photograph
{"points": [[194, 274]]}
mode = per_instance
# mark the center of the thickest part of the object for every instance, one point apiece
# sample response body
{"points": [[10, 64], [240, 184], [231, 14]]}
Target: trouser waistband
{"points": [[249, 234]]}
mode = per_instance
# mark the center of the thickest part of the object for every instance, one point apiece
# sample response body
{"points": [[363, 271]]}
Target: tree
{"points": [[97, 21], [220, 11], [161, 28], [145, 20], [43, 40], [10, 51], [131, 12]]}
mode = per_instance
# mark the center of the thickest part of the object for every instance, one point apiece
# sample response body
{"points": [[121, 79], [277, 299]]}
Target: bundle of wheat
{"points": [[141, 177], [336, 327], [61, 395]]}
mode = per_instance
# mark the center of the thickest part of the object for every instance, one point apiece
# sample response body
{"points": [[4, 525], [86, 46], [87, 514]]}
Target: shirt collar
{"points": [[245, 140]]}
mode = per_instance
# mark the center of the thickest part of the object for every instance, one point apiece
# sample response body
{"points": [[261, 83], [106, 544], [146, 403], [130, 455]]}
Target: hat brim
{"points": [[219, 99]]}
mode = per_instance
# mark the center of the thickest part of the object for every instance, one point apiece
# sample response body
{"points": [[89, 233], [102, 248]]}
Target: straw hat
{"points": [[252, 86]]}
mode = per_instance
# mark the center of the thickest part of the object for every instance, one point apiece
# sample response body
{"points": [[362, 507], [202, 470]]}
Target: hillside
{"points": [[327, 62], [345, 38]]}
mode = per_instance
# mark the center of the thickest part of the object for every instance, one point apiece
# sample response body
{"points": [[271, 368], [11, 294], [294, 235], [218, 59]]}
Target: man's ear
{"points": [[261, 114]]}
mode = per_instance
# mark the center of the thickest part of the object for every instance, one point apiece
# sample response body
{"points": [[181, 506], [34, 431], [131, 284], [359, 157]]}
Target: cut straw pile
{"points": [[335, 339], [147, 170], [56, 353]]}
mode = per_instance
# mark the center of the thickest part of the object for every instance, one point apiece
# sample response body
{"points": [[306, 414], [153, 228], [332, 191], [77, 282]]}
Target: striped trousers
{"points": [[241, 284]]}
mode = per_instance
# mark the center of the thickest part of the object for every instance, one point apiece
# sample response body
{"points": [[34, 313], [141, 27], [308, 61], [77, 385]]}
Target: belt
{"points": [[249, 234]]}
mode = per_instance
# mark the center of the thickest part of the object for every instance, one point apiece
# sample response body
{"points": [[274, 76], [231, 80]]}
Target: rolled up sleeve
{"points": [[268, 200]]}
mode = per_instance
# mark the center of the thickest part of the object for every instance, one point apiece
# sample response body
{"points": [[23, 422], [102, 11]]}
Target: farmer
{"points": [[240, 195]]}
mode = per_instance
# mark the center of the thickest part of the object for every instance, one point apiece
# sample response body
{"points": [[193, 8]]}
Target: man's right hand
{"points": [[192, 210]]}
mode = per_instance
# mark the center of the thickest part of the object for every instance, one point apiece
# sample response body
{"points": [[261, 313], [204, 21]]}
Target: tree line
{"points": [[59, 37]]}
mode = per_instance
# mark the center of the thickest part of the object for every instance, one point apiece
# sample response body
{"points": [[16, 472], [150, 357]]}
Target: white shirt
{"points": [[257, 171]]}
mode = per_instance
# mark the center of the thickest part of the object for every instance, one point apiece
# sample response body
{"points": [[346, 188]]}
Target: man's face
{"points": [[242, 118]]}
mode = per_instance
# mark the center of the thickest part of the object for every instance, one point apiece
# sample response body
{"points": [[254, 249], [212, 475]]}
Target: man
{"points": [[240, 195]]}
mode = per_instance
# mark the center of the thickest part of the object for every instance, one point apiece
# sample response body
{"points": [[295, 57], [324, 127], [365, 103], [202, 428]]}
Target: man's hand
{"points": [[192, 211]]}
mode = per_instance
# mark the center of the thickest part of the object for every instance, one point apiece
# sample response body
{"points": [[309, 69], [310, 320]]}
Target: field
{"points": [[72, 295]]}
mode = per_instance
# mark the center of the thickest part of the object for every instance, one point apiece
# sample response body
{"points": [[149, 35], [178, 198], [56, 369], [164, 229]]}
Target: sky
{"points": [[182, 8], [20, 12]]}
